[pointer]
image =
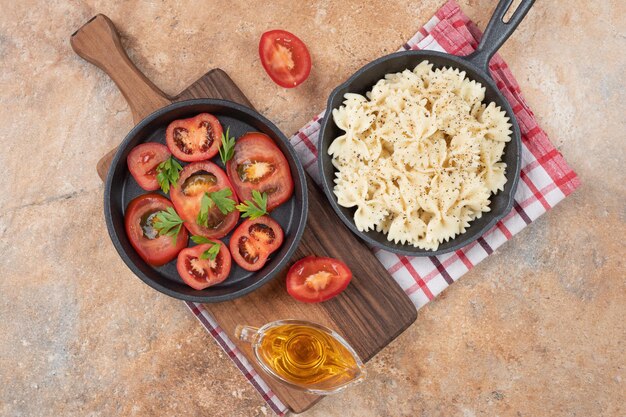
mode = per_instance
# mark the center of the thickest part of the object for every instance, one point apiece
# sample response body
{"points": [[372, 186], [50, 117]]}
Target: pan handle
{"points": [[498, 32]]}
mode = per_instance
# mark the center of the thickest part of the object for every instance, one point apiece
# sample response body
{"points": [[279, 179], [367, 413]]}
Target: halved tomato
{"points": [[139, 217], [194, 139], [253, 242], [196, 179], [201, 273], [313, 279], [143, 161], [258, 164], [285, 58]]}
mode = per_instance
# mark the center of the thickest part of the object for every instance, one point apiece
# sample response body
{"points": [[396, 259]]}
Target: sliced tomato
{"points": [[313, 279], [196, 179], [194, 139], [154, 249], [201, 273], [143, 161], [285, 58], [253, 242], [258, 164]]}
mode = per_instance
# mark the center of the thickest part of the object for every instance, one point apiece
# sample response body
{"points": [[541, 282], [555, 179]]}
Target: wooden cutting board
{"points": [[369, 314]]}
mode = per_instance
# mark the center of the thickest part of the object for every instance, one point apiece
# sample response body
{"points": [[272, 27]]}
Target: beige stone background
{"points": [[538, 329]]}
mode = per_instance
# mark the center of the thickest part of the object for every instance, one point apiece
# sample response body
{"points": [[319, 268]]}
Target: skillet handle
{"points": [[498, 32]]}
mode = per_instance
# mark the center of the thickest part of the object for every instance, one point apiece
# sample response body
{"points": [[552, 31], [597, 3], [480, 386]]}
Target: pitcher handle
{"points": [[246, 334]]}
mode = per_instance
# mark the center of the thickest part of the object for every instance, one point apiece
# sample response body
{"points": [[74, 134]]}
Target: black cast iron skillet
{"points": [[121, 188], [476, 67]]}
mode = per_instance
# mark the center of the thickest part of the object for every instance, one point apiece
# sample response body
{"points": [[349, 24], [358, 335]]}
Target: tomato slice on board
{"points": [[194, 139], [154, 249], [253, 242], [143, 161], [196, 179], [258, 164], [313, 279], [285, 58], [201, 273]]}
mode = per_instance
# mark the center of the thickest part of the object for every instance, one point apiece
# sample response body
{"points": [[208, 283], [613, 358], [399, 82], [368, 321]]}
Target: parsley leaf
{"points": [[227, 150], [256, 208], [167, 173], [168, 223], [210, 253], [221, 199], [201, 240], [203, 216]]}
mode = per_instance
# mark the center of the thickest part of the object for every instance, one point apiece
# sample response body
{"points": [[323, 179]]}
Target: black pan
{"points": [[121, 188], [476, 67]]}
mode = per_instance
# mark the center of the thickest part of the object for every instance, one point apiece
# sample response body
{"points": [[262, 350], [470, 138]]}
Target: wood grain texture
{"points": [[370, 313]]}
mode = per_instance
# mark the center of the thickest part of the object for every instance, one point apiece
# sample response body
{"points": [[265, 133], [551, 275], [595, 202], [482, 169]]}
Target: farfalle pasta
{"points": [[420, 155]]}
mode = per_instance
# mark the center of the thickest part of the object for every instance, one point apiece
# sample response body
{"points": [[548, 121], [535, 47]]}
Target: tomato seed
{"points": [[262, 233], [247, 250], [181, 138]]}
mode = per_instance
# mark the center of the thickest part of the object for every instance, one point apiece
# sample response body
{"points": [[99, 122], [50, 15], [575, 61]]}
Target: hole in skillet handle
{"points": [[120, 188], [361, 82], [498, 31]]}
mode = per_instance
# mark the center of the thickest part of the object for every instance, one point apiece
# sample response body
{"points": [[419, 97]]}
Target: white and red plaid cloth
{"points": [[545, 180]]}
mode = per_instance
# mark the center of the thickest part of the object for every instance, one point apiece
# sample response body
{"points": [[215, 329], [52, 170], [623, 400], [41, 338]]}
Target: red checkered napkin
{"points": [[545, 180]]}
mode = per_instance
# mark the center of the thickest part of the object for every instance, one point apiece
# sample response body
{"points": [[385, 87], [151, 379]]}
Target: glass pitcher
{"points": [[304, 355]]}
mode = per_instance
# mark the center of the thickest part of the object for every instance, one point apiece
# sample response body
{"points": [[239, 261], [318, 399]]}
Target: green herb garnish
{"points": [[167, 173], [227, 150], [168, 223], [256, 208], [203, 216], [221, 199], [210, 253]]}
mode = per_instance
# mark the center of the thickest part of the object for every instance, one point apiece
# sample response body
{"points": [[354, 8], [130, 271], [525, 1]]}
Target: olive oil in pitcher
{"points": [[304, 355]]}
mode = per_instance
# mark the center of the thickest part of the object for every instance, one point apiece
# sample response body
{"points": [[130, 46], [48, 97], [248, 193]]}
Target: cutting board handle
{"points": [[98, 42]]}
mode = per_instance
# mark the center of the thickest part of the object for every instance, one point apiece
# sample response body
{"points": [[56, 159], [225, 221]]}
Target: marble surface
{"points": [[537, 329]]}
